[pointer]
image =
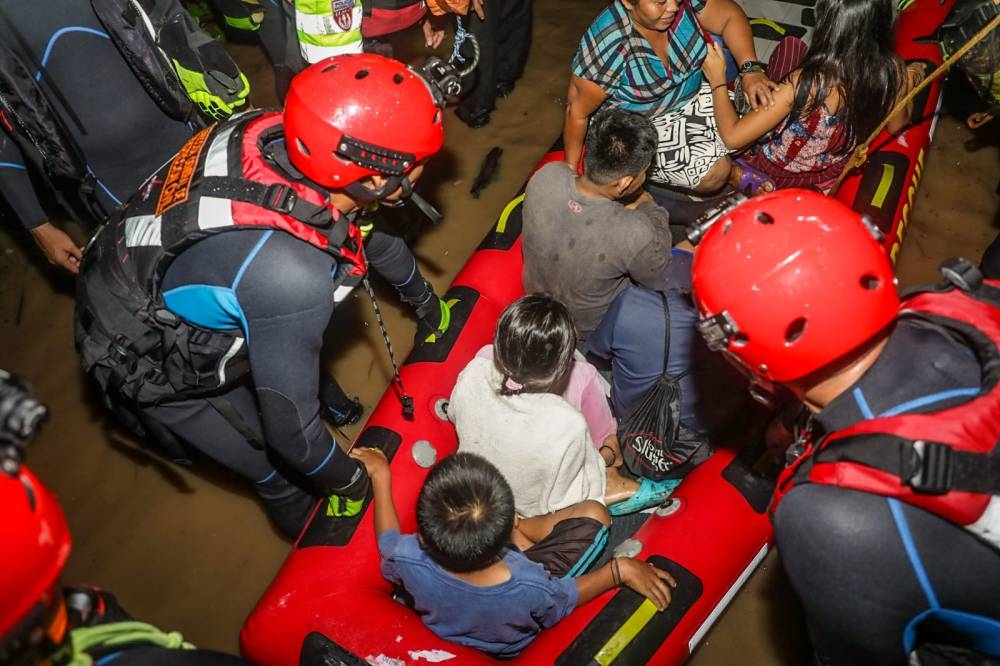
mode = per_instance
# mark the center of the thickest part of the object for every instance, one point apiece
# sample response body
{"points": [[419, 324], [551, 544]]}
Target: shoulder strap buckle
{"points": [[280, 198], [962, 273], [926, 467]]}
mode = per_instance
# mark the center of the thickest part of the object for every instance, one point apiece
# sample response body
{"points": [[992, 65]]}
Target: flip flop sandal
{"points": [[649, 494], [752, 180]]}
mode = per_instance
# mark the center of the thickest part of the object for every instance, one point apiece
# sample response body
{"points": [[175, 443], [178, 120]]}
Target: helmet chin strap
{"points": [[366, 195]]}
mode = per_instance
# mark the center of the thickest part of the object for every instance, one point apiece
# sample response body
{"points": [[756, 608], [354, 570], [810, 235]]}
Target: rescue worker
{"points": [[39, 622], [887, 517], [65, 152], [201, 310]]}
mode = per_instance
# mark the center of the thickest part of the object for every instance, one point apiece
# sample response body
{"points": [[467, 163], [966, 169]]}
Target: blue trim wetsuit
{"points": [[122, 133], [866, 566], [277, 290]]}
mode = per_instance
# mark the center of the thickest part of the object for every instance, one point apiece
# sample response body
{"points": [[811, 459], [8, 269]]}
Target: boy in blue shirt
{"points": [[467, 584]]}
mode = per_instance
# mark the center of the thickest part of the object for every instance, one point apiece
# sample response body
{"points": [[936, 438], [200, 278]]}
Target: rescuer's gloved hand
{"points": [[216, 94], [209, 76]]}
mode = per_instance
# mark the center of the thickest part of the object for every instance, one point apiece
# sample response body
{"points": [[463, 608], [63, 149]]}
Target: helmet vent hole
{"points": [[437, 117], [795, 330], [330, 68], [302, 147], [360, 74], [726, 226], [398, 78], [870, 282], [764, 218], [740, 340]]}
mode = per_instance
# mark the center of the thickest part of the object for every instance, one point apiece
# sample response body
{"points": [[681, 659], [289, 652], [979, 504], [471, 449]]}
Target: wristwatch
{"points": [[753, 66]]}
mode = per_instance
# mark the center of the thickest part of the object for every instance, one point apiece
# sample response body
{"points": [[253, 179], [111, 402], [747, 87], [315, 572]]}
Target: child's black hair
{"points": [[619, 143], [533, 346], [465, 513], [852, 52]]}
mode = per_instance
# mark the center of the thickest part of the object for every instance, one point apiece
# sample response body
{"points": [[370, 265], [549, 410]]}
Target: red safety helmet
{"points": [[791, 281], [36, 544], [352, 116]]}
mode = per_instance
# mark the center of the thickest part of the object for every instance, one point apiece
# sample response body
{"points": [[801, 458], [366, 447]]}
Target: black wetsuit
{"points": [[123, 134], [864, 565], [278, 290]]}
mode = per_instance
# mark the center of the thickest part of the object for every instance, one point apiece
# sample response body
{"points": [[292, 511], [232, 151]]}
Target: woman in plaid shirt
{"points": [[645, 56]]}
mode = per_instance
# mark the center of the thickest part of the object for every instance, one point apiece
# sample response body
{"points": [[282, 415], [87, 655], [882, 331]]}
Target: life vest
{"points": [[224, 178], [327, 27], [43, 138], [148, 34], [384, 17], [946, 462]]}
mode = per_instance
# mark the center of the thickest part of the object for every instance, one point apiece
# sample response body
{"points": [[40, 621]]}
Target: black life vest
{"points": [[224, 178], [46, 143], [148, 34], [946, 462]]}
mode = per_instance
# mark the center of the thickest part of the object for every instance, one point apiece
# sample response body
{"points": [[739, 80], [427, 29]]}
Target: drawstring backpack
{"points": [[653, 444]]}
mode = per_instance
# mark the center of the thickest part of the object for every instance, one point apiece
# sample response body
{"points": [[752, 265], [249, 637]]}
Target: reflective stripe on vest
{"points": [[328, 27], [171, 212]]}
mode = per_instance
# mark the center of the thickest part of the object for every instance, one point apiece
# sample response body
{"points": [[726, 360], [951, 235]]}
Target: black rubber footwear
{"points": [[336, 406], [474, 119]]}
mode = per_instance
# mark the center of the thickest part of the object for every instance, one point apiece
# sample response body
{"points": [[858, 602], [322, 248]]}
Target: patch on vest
{"points": [[177, 183], [343, 13]]}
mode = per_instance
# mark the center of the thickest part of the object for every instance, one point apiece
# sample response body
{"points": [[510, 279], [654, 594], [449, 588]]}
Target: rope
{"points": [[461, 36], [404, 397], [860, 154], [105, 638]]}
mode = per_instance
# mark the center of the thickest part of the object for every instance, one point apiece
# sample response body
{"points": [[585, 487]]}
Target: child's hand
{"points": [[647, 580], [374, 461], [714, 66]]}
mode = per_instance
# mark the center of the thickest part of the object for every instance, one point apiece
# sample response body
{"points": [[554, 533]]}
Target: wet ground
{"points": [[190, 549]]}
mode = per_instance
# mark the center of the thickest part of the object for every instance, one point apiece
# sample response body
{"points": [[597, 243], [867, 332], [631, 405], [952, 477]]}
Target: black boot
{"points": [[337, 408], [350, 500], [433, 313]]}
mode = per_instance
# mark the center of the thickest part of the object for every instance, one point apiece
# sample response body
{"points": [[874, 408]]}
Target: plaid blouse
{"points": [[616, 57]]}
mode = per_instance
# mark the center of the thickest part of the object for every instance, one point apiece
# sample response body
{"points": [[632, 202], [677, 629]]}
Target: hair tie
{"points": [[511, 384]]}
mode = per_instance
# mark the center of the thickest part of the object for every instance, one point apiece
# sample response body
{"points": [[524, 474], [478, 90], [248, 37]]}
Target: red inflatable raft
{"points": [[329, 603]]}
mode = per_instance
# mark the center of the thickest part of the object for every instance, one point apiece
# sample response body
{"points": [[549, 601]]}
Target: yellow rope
{"points": [[860, 154]]}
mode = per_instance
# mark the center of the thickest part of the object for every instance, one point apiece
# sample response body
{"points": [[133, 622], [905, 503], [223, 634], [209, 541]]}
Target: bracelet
{"points": [[756, 69], [616, 574], [721, 85], [614, 456]]}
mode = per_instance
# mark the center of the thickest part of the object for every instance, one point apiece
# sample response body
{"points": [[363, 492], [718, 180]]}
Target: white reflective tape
{"points": [[143, 231], [726, 598], [987, 527], [217, 158], [313, 54], [230, 353], [342, 292], [215, 212]]}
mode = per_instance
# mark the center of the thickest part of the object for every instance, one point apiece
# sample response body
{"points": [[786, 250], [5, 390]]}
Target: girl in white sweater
{"points": [[518, 405]]}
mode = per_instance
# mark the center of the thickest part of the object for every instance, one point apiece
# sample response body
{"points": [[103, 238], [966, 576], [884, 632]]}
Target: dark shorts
{"points": [[571, 547]]}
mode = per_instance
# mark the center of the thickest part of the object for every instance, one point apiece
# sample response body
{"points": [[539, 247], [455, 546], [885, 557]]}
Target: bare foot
{"points": [[619, 488], [736, 178]]}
